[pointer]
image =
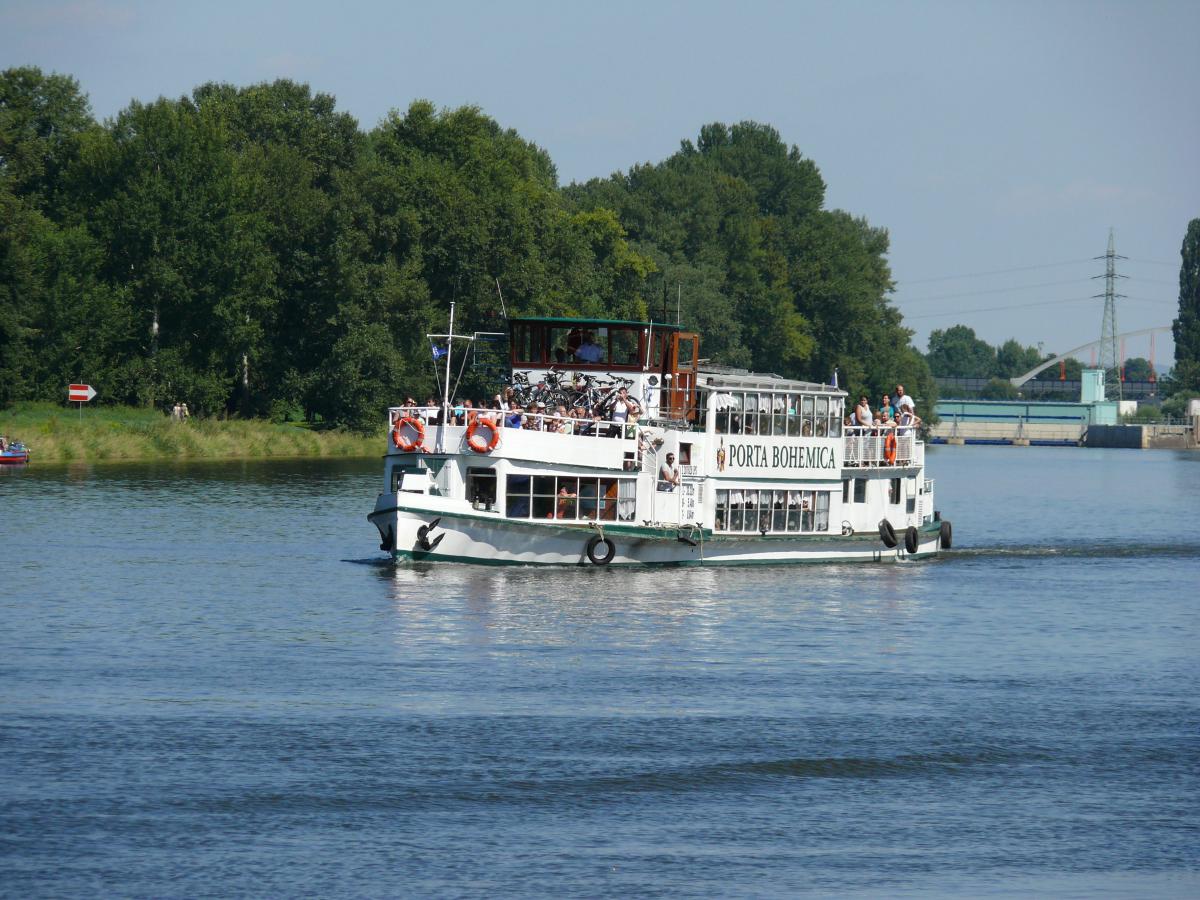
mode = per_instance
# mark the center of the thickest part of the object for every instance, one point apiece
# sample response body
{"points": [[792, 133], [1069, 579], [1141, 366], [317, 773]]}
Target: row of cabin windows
{"points": [[780, 415], [575, 499], [771, 511], [609, 346], [896, 494]]}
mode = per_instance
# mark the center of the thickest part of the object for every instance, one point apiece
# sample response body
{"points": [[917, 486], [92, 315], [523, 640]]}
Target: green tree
{"points": [[1138, 369], [999, 389], [956, 352], [1186, 327], [1012, 359]]}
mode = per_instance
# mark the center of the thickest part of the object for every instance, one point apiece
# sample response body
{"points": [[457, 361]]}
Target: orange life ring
{"points": [[406, 446], [476, 441], [889, 448]]}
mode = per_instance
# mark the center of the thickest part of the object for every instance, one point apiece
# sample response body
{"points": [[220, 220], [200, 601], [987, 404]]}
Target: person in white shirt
{"points": [[589, 351], [624, 409], [668, 474]]}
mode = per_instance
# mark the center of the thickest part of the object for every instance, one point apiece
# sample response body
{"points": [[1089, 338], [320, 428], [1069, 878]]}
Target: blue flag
{"points": [[438, 352]]}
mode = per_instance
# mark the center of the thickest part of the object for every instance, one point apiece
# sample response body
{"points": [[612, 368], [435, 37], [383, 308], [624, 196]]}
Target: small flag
{"points": [[438, 352]]}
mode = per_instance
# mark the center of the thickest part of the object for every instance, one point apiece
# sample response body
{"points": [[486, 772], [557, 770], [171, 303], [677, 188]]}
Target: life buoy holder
{"points": [[912, 539], [476, 441], [402, 443], [889, 448], [601, 559]]}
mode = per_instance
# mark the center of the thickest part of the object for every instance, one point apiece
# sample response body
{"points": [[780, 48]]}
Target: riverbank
{"points": [[101, 434]]}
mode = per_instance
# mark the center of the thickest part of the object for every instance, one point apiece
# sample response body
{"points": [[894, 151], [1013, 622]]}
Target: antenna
{"points": [[503, 311], [1108, 328]]}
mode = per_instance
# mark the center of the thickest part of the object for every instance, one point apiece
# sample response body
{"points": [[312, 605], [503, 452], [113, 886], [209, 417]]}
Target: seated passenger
{"points": [[589, 351], [566, 504]]}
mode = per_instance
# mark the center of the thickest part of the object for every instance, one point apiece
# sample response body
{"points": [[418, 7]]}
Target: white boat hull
{"points": [[489, 539]]}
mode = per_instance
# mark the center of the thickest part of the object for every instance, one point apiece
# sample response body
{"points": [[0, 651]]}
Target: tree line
{"points": [[252, 251]]}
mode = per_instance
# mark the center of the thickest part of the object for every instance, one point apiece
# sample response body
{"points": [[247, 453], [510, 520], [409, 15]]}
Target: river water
{"points": [[210, 687]]}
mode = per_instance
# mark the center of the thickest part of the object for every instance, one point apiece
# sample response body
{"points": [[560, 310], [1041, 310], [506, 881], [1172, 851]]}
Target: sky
{"points": [[998, 142]]}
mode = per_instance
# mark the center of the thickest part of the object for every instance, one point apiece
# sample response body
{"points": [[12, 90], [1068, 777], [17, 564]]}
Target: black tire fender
{"points": [[912, 539], [946, 534], [887, 534], [598, 559]]}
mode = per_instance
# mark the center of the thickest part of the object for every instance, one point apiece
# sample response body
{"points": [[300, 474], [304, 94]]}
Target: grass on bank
{"points": [[55, 433]]}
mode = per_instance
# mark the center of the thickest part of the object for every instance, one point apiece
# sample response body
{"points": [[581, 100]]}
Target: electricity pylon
{"points": [[1109, 361]]}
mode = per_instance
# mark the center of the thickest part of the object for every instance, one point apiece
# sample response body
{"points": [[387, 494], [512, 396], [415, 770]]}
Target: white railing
{"points": [[869, 446], [540, 421]]}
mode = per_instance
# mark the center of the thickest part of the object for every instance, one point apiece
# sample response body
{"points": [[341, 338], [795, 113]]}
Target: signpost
{"points": [[81, 394]]}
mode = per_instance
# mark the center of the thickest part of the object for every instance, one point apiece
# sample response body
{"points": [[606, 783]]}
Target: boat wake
{"points": [[1076, 551]]}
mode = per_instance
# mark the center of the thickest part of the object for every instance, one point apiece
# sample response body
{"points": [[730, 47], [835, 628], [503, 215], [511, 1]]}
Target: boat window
{"points": [[737, 413], [516, 503], [626, 499], [846, 490], [481, 487], [793, 415], [656, 351], [807, 410], [912, 496], [894, 491], [779, 414], [543, 496], [624, 344], [736, 502], [835, 418], [687, 352], [822, 416], [570, 497], [525, 349], [860, 490], [771, 512], [822, 504]]}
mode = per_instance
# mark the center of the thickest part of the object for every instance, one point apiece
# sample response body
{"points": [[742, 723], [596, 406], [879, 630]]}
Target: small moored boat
{"points": [[13, 453]]}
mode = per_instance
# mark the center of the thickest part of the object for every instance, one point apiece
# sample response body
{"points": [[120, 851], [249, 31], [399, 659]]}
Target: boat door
{"points": [[679, 393]]}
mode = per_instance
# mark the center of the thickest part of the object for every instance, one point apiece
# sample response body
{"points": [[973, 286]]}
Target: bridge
{"points": [[1041, 367]]}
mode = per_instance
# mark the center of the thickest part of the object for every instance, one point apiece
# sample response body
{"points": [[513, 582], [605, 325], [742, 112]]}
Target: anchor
{"points": [[423, 536]]}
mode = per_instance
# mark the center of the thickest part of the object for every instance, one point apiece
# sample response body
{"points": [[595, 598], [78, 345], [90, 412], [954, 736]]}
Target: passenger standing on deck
{"points": [[904, 401], [862, 412], [668, 474], [624, 409]]}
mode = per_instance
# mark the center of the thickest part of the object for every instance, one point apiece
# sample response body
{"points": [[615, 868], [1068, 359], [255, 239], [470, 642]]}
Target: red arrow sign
{"points": [[80, 393]]}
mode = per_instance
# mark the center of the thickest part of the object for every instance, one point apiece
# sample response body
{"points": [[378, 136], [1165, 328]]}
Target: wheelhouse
{"points": [[664, 357]]}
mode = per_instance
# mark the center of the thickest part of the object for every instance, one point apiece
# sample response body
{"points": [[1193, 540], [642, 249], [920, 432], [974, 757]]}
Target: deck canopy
{"points": [[611, 345], [722, 379]]}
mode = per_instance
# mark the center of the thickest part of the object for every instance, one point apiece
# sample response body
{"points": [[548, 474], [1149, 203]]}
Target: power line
{"points": [[968, 312], [1069, 262], [1005, 290]]}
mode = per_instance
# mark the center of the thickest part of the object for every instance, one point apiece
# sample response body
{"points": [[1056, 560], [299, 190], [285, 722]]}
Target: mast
{"points": [[441, 441]]}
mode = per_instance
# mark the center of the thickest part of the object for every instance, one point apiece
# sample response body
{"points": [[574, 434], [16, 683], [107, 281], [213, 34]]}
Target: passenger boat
{"points": [[762, 469], [14, 454]]}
